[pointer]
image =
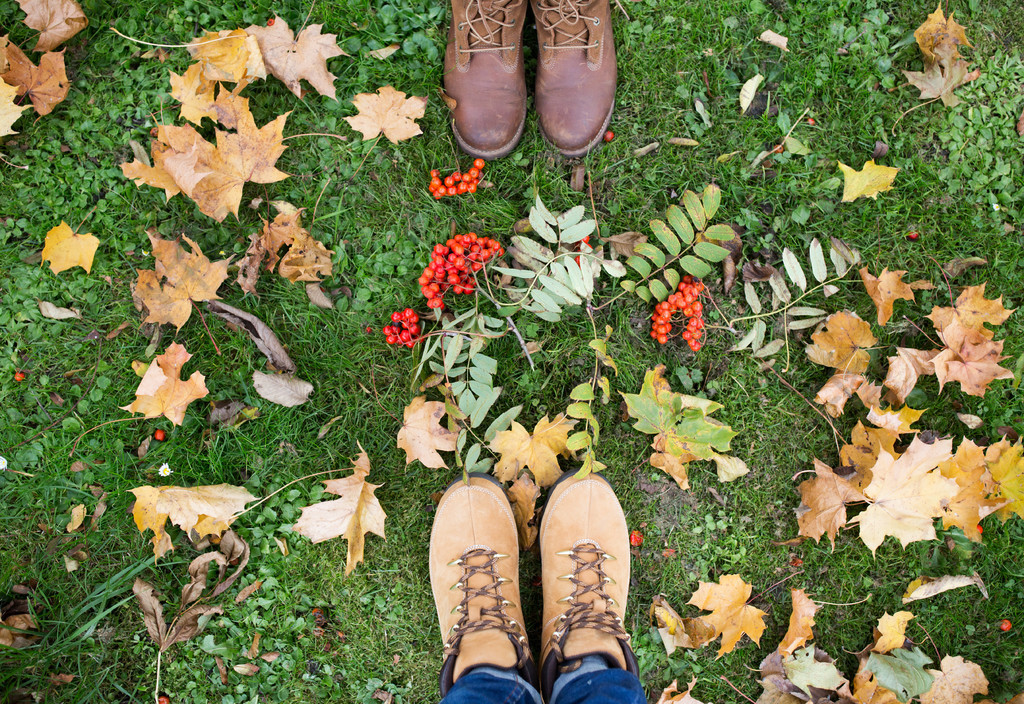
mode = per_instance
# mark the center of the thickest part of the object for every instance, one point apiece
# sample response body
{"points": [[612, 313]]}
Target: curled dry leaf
{"points": [[292, 58], [385, 52], [422, 434], [537, 451], [926, 587], [162, 391], [678, 632], [207, 510], [730, 615], [387, 112], [624, 244], [956, 267], [837, 391], [260, 333], [672, 695], [748, 91], [283, 389], [523, 495], [801, 622], [77, 517], [776, 40], [647, 149], [904, 370], [317, 296], [48, 310], [65, 249], [56, 20], [352, 516], [46, 85], [683, 142], [186, 625]]}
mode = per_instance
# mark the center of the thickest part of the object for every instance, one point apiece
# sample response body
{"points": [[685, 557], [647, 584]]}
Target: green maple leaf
{"points": [[902, 672]]}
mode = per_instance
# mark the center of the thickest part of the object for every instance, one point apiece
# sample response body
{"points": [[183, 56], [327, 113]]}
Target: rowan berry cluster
{"points": [[686, 300], [453, 264], [405, 328], [456, 183]]}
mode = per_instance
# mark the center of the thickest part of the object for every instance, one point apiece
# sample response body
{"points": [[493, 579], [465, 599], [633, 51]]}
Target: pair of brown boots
{"points": [[474, 574], [576, 74]]}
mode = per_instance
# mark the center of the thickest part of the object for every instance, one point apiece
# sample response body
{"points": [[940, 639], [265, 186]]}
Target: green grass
{"points": [[955, 164]]}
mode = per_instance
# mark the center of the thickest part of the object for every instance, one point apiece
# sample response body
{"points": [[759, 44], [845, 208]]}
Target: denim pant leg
{"points": [[491, 685], [596, 683]]}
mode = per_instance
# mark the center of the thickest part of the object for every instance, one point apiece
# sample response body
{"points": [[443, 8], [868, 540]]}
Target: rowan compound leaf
{"points": [[901, 672], [387, 112], [907, 494], [971, 503], [537, 451], [801, 622], [970, 358], [422, 434], [892, 631], [46, 85], [1007, 468], [868, 182], [730, 615], [956, 683], [842, 343], [355, 514], [9, 112], [208, 510], [292, 58], [56, 20], [823, 503], [162, 391], [887, 288], [65, 249], [523, 495], [678, 632], [906, 368], [926, 587]]}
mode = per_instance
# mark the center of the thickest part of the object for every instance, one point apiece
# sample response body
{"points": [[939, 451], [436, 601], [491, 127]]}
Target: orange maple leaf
{"points": [[229, 55], [45, 85], [388, 112], [862, 452], [207, 510], [970, 358], [971, 504], [842, 343], [887, 288], [188, 276], [904, 370], [538, 450], [292, 59], [730, 615], [837, 391], [823, 503], [801, 622], [56, 20], [973, 310], [162, 391]]}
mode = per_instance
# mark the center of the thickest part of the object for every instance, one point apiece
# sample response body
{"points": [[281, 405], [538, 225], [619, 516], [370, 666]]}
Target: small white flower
{"points": [[996, 207], [165, 470], [3, 464]]}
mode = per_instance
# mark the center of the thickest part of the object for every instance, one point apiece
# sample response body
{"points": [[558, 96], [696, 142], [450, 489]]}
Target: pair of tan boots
{"points": [[474, 574]]}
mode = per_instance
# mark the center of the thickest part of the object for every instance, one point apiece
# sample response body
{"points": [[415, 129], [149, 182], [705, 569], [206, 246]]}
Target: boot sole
{"points": [[498, 153], [586, 149]]}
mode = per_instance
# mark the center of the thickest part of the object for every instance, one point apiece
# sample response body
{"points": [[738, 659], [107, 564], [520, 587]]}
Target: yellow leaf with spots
{"points": [[65, 249], [537, 451], [387, 112], [730, 614], [939, 38], [842, 343], [971, 504], [229, 55], [868, 182]]}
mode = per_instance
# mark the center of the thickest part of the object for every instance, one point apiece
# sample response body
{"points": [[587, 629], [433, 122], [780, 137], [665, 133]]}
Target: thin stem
{"points": [[938, 656], [275, 493], [156, 694], [522, 343], [949, 287], [322, 190], [12, 164], [916, 327], [726, 680], [774, 585], [761, 157], [93, 208], [95, 427], [907, 112], [376, 397], [849, 603], [817, 410], [365, 156], [209, 334], [318, 134], [169, 46]]}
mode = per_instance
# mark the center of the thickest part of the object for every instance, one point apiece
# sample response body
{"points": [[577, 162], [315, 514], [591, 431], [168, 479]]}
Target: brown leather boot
{"points": [[584, 552], [483, 72], [576, 73], [474, 573]]}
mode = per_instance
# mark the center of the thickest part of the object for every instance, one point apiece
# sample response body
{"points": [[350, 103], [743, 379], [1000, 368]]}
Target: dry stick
{"points": [[623, 10], [96, 427], [938, 657], [522, 343], [849, 603], [726, 680], [828, 420], [308, 15], [210, 334], [847, 45], [765, 591], [169, 46]]}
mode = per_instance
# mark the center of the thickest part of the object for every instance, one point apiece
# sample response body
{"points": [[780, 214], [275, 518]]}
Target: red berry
{"points": [[270, 23], [159, 435], [912, 236], [980, 529], [796, 562], [369, 329], [434, 173], [811, 121], [636, 538], [1005, 625], [19, 376], [609, 136], [163, 698], [479, 163]]}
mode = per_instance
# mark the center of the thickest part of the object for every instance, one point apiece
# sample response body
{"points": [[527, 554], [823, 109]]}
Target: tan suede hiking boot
{"points": [[474, 574], [483, 72], [576, 72], [584, 552]]}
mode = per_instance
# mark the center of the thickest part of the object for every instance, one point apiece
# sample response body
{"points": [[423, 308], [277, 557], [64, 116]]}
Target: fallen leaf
{"points": [[162, 391], [229, 55], [1006, 465], [823, 503], [939, 37], [926, 587], [283, 389], [64, 248], [355, 514], [61, 679], [317, 297], [292, 58], [422, 434], [970, 358], [868, 182], [46, 85], [837, 391], [208, 510], [624, 244], [537, 451], [646, 149], [886, 288], [260, 333], [48, 310], [842, 343], [971, 503], [811, 667], [956, 267], [387, 112], [15, 631], [672, 695], [9, 112], [901, 672], [956, 683], [905, 368], [801, 622], [195, 93], [730, 615], [939, 81], [187, 277], [678, 632], [307, 260], [683, 142], [247, 668], [221, 669], [906, 494], [898, 421], [248, 591], [891, 631], [776, 40], [862, 452], [748, 91], [945, 70], [385, 52], [973, 311], [77, 517], [254, 648], [523, 495]]}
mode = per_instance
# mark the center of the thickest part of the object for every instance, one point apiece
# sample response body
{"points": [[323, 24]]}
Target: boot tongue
{"points": [[485, 647]]}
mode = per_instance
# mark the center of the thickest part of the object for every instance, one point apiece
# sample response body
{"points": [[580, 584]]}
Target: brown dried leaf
{"points": [[56, 20], [162, 391], [292, 58], [387, 112], [842, 343], [422, 434], [678, 632], [523, 495], [823, 503], [260, 333], [46, 85]]}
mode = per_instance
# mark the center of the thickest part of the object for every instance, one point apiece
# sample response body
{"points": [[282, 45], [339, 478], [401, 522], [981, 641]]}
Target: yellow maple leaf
{"points": [[904, 370], [862, 452], [971, 504], [972, 310], [523, 495], [906, 494], [1007, 468], [823, 503], [868, 182], [896, 420], [422, 434], [229, 55], [208, 510], [842, 343], [195, 93], [679, 632], [9, 112], [387, 112], [56, 20], [801, 622], [730, 615], [355, 514], [306, 260], [538, 451], [65, 249], [672, 695], [891, 631], [162, 391], [939, 38], [956, 683], [837, 391]]}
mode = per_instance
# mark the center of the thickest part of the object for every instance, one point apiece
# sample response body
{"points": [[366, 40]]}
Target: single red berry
{"points": [[1005, 625], [434, 173], [796, 562], [19, 376], [609, 136], [912, 236], [636, 538], [159, 435], [811, 121], [369, 329], [980, 529], [270, 23], [163, 698], [479, 163]]}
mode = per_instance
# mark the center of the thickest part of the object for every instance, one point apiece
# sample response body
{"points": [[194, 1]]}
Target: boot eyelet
{"points": [[597, 21], [461, 25]]}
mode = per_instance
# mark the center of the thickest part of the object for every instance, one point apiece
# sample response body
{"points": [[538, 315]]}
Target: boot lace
{"points": [[567, 22], [593, 613], [494, 616], [487, 21]]}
